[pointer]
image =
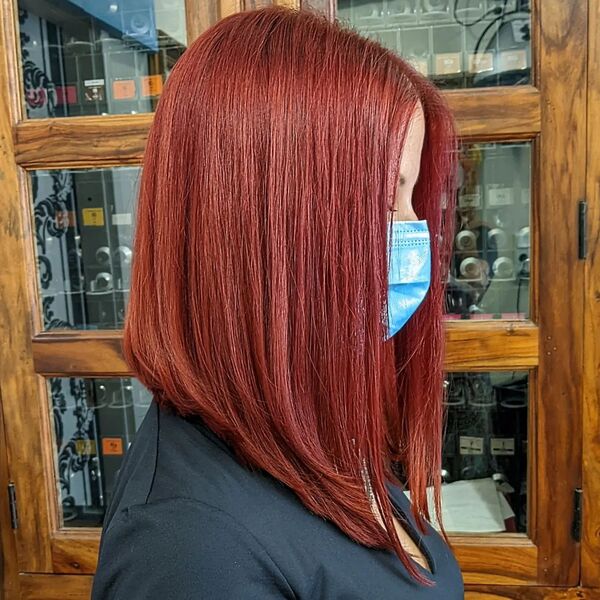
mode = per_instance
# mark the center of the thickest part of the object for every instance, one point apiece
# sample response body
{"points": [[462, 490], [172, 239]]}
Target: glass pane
{"points": [[485, 455], [456, 43], [94, 58], [489, 272], [84, 229], [94, 424]]}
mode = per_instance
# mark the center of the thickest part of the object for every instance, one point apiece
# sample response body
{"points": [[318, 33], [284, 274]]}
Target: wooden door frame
{"points": [[590, 550], [510, 114]]}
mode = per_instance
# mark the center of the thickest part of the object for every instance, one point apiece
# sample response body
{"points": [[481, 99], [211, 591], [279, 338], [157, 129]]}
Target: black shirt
{"points": [[188, 521]]}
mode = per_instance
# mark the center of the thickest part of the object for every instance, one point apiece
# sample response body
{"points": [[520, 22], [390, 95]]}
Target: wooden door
{"points": [[590, 568], [515, 74], [69, 405]]}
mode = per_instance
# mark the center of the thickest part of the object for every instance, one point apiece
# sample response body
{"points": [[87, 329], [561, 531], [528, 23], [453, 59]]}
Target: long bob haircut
{"points": [[259, 283]]}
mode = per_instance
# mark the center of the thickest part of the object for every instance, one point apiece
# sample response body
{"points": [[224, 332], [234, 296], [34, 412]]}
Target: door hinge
{"points": [[12, 502], [582, 243], [577, 516]]}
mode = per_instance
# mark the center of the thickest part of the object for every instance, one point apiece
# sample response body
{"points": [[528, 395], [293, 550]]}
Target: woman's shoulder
{"points": [[183, 548], [181, 460]]}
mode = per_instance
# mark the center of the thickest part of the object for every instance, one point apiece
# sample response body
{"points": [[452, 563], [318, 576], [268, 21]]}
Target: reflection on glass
{"points": [[456, 43], [484, 455], [83, 232], [93, 58], [489, 272], [94, 423]]}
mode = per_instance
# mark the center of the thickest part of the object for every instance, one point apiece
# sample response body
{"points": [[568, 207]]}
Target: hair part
{"points": [[259, 276]]}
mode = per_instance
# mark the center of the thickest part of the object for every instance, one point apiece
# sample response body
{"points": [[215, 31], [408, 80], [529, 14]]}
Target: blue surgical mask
{"points": [[409, 271]]}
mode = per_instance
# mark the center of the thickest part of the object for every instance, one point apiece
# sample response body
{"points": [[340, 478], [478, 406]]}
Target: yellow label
{"points": [[93, 217], [85, 447]]}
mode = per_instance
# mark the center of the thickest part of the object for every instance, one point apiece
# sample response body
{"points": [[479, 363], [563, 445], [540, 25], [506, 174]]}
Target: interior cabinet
{"points": [[521, 448]]}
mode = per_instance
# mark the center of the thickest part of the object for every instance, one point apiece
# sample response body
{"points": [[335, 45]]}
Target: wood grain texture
{"points": [[82, 141], [24, 411], [470, 346], [327, 7], [502, 113], [560, 40], [590, 551], [78, 587], [199, 16], [95, 141], [498, 560], [75, 551], [9, 567]]}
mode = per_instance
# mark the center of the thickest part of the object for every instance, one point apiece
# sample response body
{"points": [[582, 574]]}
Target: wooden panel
{"points": [[9, 564], [75, 551], [26, 424], [502, 113], [560, 37], [82, 141], [55, 587], [490, 592], [199, 16], [499, 114], [485, 345], [81, 353], [590, 550], [327, 7], [229, 7], [471, 346], [503, 559], [486, 563], [78, 587]]}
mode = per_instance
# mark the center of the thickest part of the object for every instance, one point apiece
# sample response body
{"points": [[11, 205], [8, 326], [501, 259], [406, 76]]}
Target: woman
{"points": [[289, 224]]}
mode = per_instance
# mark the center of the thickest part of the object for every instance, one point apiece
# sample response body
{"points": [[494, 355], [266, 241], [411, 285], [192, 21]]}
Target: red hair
{"points": [[260, 270]]}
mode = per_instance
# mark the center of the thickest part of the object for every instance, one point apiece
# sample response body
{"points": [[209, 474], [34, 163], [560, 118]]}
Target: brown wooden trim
{"points": [[79, 353], [471, 346], [499, 114], [590, 548], [81, 141], [199, 16], [504, 559], [488, 562], [229, 7], [491, 345], [26, 419], [75, 551], [327, 7], [559, 170], [78, 587], [55, 587], [9, 563]]}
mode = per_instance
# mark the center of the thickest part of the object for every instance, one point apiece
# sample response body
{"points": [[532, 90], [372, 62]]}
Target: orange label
{"points": [[152, 85], [112, 446], [123, 89]]}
